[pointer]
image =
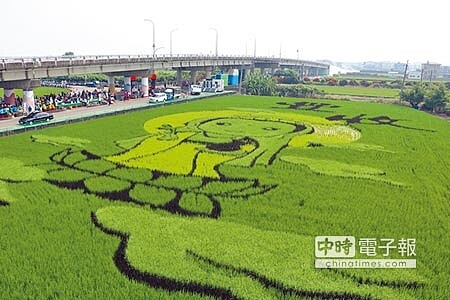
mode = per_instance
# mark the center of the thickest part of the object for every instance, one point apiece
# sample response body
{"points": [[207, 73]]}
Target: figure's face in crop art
{"points": [[239, 128]]}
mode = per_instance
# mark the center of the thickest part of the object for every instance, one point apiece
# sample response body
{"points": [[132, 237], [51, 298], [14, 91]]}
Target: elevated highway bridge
{"points": [[26, 73]]}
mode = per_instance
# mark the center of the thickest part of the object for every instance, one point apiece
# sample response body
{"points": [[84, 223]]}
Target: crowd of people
{"points": [[72, 99], [58, 101], [80, 98], [7, 110]]}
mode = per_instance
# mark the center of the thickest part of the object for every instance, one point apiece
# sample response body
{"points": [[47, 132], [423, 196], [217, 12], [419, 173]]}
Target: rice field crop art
{"points": [[222, 199], [178, 164]]}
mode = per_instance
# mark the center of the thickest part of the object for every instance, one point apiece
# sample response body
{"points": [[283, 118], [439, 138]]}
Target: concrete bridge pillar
{"points": [[10, 97], [111, 85], [179, 76], [144, 86], [28, 101], [127, 83], [245, 73], [193, 76], [28, 94]]}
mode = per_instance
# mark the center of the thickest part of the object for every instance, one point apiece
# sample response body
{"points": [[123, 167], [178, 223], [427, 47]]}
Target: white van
{"points": [[158, 97]]}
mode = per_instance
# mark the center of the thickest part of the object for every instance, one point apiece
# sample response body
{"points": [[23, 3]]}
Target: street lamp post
{"points": [[280, 50], [172, 31], [254, 47], [153, 26], [217, 39]]}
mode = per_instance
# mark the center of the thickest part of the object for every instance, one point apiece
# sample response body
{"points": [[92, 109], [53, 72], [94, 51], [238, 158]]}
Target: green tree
{"points": [[258, 84], [435, 99], [343, 82], [414, 95], [166, 76]]}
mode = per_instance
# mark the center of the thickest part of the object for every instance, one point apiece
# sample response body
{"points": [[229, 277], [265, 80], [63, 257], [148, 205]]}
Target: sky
{"points": [[344, 30]]}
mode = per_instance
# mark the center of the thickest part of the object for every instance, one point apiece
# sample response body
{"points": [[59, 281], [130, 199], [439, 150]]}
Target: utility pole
{"points": [[404, 77]]}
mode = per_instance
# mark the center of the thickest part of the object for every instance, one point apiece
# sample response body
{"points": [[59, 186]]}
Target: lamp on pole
{"points": [[159, 48], [172, 31], [217, 39], [153, 26]]}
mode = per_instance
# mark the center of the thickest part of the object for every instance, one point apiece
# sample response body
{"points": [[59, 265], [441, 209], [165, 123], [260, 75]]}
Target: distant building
{"points": [[377, 67], [445, 70], [393, 74], [398, 67], [431, 71]]}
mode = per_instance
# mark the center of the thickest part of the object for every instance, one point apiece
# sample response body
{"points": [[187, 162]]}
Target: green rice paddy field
{"points": [[223, 198], [360, 91]]}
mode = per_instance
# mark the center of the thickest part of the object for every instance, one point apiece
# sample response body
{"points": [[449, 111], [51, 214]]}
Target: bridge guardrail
{"points": [[67, 61]]}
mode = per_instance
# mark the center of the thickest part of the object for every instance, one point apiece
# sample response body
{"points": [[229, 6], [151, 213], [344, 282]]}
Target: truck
{"points": [[213, 85], [173, 93], [196, 89]]}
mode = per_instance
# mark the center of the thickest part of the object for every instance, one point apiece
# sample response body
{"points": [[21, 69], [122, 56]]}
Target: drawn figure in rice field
{"points": [[177, 167]]}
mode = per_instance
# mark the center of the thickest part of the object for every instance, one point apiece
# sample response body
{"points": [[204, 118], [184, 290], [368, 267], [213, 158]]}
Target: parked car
{"points": [[92, 84], [36, 117], [158, 97]]}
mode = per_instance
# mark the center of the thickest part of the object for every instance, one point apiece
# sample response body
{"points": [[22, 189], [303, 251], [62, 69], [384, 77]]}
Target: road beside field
{"points": [[11, 126]]}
